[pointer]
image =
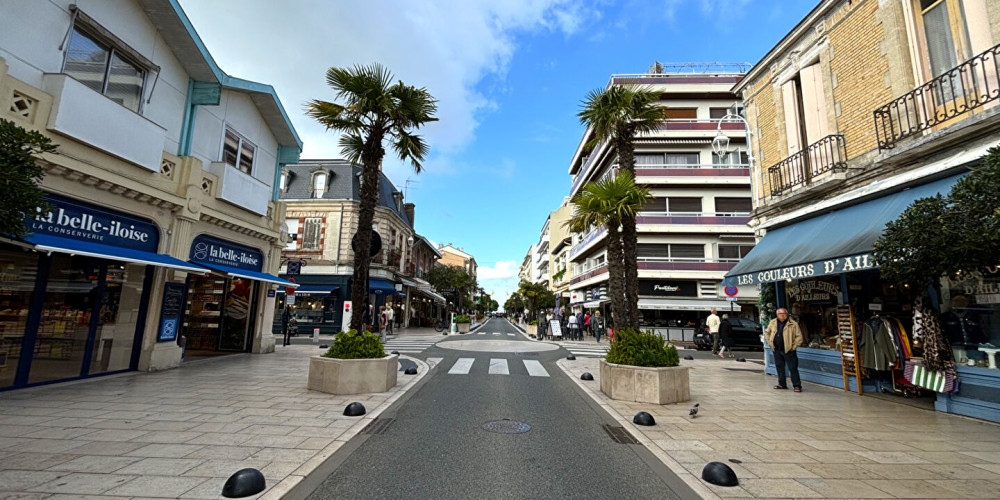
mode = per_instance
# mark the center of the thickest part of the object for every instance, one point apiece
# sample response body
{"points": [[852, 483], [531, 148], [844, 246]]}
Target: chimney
{"points": [[408, 208]]}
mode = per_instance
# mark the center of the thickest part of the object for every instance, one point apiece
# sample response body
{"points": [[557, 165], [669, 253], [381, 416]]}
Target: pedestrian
{"points": [[366, 317], [726, 337], [597, 325], [389, 315], [542, 326], [381, 323], [784, 337], [579, 325], [285, 316], [572, 326], [586, 324], [713, 328]]}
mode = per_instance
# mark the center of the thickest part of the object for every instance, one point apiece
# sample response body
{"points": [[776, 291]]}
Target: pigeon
{"points": [[694, 410]]}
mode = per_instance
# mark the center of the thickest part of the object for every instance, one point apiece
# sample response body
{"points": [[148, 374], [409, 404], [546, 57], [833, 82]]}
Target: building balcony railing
{"points": [[959, 90], [825, 155], [694, 166], [586, 240], [700, 124], [590, 273], [701, 218], [684, 264]]}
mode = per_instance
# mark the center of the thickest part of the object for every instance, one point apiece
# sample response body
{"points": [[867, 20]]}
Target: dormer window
{"points": [[319, 183], [283, 182], [237, 152]]}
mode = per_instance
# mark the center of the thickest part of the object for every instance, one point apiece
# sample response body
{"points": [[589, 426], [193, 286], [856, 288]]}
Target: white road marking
{"points": [[510, 335], [535, 368], [434, 361], [499, 367], [481, 333], [462, 366], [496, 333]]}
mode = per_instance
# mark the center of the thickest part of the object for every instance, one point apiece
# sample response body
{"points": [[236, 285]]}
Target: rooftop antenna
{"points": [[406, 187]]}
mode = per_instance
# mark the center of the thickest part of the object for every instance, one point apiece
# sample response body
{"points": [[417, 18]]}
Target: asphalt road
{"points": [[436, 447]]}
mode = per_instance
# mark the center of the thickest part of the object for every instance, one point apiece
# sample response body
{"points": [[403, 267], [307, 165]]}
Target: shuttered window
{"points": [[687, 251], [733, 205], [311, 231], [681, 204]]}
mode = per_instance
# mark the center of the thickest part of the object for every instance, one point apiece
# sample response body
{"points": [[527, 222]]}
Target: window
{"points": [[683, 158], [655, 205], [652, 250], [734, 252], [687, 251], [733, 205], [648, 159], [804, 105], [717, 113], [283, 183], [293, 233], [104, 69], [237, 152], [733, 158], [312, 229], [319, 183], [682, 113], [679, 204]]}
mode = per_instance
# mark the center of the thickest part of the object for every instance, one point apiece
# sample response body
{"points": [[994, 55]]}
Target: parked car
{"points": [[746, 334]]}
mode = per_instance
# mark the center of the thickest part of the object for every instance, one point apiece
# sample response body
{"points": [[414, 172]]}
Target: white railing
{"points": [[685, 259], [691, 166], [695, 214], [589, 269]]}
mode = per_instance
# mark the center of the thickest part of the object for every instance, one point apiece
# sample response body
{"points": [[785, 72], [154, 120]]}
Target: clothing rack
{"points": [[850, 360]]}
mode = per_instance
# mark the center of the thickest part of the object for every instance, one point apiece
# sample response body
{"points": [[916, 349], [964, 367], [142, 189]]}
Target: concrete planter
{"points": [[352, 376], [532, 330], [645, 385], [462, 327]]}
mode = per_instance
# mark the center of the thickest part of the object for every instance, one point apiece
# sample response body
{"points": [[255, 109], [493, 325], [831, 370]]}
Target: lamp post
{"points": [[720, 144]]}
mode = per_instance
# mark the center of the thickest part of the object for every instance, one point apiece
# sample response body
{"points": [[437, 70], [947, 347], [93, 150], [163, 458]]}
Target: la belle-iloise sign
{"points": [[77, 220], [839, 265]]}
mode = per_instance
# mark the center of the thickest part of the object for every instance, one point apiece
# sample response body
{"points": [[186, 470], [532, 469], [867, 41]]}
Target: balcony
{"points": [[682, 264], [699, 218], [591, 237], [696, 170], [590, 273], [828, 154], [241, 189], [708, 124], [968, 86]]}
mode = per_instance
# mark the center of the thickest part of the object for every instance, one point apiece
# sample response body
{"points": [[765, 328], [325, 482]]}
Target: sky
{"points": [[509, 76]]}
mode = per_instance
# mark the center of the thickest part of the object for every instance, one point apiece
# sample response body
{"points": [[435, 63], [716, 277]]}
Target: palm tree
{"points": [[616, 114], [608, 202], [371, 112]]}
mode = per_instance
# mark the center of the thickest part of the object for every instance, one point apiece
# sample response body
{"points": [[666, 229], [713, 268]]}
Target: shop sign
{"points": [[861, 262], [223, 253], [270, 294], [671, 288], [171, 310], [574, 297], [813, 291], [77, 220]]}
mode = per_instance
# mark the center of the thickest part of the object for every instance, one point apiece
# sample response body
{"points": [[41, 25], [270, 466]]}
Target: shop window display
{"points": [[17, 282], [121, 305], [970, 317]]}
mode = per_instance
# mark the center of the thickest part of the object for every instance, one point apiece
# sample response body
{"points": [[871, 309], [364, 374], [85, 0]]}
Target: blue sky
{"points": [[509, 75]]}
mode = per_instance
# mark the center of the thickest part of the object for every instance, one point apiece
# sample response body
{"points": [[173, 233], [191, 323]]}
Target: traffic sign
{"points": [[290, 289], [732, 291]]}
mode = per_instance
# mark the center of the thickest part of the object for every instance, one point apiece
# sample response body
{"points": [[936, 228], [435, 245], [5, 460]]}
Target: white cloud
{"points": [[502, 269], [500, 279], [448, 46]]}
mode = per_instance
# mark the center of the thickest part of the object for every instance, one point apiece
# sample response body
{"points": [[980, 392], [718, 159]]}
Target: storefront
{"points": [[818, 264], [74, 295], [318, 302], [222, 305]]}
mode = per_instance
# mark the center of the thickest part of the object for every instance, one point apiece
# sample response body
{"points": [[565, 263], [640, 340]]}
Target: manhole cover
{"points": [[506, 426]]}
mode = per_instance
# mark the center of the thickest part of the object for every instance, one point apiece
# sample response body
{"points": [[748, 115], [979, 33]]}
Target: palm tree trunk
{"points": [[371, 160], [616, 277], [630, 240]]}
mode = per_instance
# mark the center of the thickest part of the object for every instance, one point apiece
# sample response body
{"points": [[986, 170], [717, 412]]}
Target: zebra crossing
{"points": [[497, 334], [496, 366], [410, 345], [585, 348]]}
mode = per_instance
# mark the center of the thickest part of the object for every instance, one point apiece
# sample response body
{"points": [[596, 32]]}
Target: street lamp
{"points": [[720, 144]]}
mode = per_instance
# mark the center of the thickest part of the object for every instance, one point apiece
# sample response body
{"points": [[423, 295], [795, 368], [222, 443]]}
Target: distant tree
{"points": [[536, 296], [20, 175], [372, 113]]}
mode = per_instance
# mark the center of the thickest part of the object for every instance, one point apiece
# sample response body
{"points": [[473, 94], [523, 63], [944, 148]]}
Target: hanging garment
{"points": [[937, 352], [878, 351], [903, 339], [919, 327]]}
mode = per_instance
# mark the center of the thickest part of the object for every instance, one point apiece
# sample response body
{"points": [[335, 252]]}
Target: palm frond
{"points": [[410, 147], [352, 146]]}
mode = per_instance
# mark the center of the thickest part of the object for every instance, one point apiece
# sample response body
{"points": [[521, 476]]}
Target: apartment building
{"points": [[526, 271], [323, 200], [540, 260], [458, 257], [864, 107], [560, 242], [695, 229], [164, 236]]}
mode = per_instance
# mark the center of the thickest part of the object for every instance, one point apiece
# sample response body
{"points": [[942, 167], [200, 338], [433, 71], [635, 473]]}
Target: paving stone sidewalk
{"points": [[821, 443], [178, 433]]}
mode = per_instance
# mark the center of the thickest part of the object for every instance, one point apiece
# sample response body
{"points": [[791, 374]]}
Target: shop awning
{"points": [[407, 282], [253, 275], [48, 243], [594, 304], [377, 285], [306, 289], [837, 242], [426, 290], [688, 305]]}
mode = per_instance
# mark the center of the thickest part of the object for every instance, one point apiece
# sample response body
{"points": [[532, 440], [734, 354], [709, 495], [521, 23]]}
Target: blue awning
{"points": [[381, 286], [49, 243], [306, 289], [253, 275], [834, 243]]}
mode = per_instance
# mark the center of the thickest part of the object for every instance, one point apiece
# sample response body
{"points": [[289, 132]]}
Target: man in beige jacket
{"points": [[784, 336]]}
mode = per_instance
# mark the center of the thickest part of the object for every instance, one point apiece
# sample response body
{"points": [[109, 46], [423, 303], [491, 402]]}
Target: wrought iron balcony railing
{"points": [[825, 155], [957, 91]]}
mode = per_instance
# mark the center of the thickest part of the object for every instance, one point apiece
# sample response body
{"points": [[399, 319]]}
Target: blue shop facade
{"points": [[816, 265]]}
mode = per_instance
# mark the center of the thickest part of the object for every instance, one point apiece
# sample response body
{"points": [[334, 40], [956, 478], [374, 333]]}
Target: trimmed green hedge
{"points": [[354, 345], [462, 318], [637, 348]]}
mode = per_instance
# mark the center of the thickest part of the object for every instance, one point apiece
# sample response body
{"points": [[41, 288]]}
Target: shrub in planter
{"points": [[356, 345], [462, 318], [637, 348], [533, 322]]}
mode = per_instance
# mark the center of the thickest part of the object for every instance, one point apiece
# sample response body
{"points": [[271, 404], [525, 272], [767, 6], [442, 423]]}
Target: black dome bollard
{"points": [[689, 357], [412, 370], [741, 360], [324, 346], [355, 410], [720, 474], [394, 352], [243, 483], [571, 357], [643, 418], [586, 376]]}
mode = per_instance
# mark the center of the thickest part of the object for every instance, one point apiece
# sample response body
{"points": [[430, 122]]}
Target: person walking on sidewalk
{"points": [[542, 325], [586, 324], [784, 336], [597, 325], [713, 323], [572, 326], [726, 337]]}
